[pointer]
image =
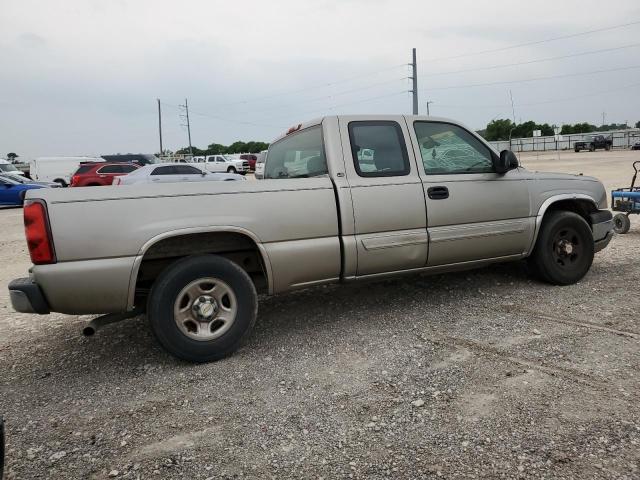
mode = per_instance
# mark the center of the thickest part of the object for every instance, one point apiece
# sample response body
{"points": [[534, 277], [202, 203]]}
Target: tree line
{"points": [[235, 147], [504, 129]]}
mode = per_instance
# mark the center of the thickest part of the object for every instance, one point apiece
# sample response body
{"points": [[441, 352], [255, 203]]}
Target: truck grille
{"points": [[245, 164]]}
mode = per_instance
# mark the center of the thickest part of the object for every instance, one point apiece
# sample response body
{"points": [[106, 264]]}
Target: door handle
{"points": [[438, 193]]}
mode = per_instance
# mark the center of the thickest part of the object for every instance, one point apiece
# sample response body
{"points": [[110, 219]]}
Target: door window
{"points": [[378, 149], [110, 169], [298, 155], [186, 170], [168, 170], [447, 148]]}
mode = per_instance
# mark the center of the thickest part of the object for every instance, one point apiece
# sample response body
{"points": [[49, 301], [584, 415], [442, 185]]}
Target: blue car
{"points": [[12, 192]]}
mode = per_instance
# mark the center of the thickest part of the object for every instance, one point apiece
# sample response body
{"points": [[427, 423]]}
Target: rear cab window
{"points": [[298, 155]]}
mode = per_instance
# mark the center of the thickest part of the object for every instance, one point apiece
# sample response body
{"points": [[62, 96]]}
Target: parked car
{"points": [[195, 255], [6, 167], [25, 180], [635, 146], [221, 163], [13, 193], [251, 158], [137, 158], [593, 143], [262, 156], [57, 169], [173, 173], [100, 174]]}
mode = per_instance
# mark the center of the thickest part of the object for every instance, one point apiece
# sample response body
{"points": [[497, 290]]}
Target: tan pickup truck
{"points": [[344, 198]]}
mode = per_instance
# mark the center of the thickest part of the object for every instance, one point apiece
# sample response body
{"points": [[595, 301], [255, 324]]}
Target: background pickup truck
{"points": [[593, 143], [343, 199]]}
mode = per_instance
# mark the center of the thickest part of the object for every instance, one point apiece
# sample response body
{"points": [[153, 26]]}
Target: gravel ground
{"points": [[481, 374]]}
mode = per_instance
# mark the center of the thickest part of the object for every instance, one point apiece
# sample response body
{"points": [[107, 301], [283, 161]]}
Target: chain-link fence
{"points": [[621, 139]]}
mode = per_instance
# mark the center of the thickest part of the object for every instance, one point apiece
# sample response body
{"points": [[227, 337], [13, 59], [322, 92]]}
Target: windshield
{"points": [[7, 167], [228, 158], [15, 178]]}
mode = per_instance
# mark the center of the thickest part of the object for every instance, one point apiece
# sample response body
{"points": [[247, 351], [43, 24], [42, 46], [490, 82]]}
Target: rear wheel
{"points": [[577, 150], [564, 250], [607, 147], [201, 308], [621, 223], [61, 182], [231, 170], [21, 195], [592, 148]]}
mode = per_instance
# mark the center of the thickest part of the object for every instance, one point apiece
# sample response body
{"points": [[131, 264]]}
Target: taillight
{"points": [[36, 229], [74, 180]]}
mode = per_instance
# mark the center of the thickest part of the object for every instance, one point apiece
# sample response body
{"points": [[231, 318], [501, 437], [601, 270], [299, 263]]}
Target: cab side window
{"points": [[447, 148], [378, 149]]}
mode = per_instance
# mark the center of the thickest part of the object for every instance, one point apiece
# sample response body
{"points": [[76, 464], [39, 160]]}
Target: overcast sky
{"points": [[82, 76]]}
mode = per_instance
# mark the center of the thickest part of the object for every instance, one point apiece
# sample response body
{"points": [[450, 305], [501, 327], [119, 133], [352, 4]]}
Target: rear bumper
{"points": [[26, 297], [602, 227]]}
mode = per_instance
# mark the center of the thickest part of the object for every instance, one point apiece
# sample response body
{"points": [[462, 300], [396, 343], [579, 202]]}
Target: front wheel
{"points": [[231, 170], [564, 249], [621, 223], [201, 308]]}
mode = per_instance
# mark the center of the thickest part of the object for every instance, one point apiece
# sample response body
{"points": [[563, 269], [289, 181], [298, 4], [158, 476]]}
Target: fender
{"points": [[550, 201], [185, 231]]}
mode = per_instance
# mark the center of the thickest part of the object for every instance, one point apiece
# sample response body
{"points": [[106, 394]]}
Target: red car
{"points": [[251, 158], [100, 173]]}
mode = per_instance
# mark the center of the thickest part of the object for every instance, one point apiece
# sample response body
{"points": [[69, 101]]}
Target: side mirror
{"points": [[507, 161]]}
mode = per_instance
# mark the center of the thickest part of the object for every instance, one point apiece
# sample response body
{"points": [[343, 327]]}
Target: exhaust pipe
{"points": [[100, 322]]}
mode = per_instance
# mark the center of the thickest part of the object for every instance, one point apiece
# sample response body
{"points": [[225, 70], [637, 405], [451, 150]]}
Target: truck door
{"points": [[473, 213], [387, 195]]}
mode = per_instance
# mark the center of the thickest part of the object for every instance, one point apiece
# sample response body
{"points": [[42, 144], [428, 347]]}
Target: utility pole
{"points": [[188, 125], [414, 79], [604, 114], [428, 103], [160, 126]]}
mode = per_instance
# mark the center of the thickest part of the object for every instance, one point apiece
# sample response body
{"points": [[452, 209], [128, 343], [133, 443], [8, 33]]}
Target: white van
{"points": [[57, 169]]}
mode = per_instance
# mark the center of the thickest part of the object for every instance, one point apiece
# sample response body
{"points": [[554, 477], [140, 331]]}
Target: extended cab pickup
{"points": [[343, 199], [593, 143]]}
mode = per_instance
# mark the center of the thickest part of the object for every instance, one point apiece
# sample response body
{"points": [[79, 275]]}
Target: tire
{"points": [[231, 170], [592, 148], [607, 147], [564, 249], [577, 150], [188, 286], [61, 182], [21, 196], [621, 223]]}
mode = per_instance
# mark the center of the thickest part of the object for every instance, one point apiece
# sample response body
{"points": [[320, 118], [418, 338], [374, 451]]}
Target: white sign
{"points": [[537, 133], [556, 130]]}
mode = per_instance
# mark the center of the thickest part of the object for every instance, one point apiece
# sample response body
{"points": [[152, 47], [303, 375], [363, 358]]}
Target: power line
{"points": [[548, 59], [223, 119], [543, 102], [311, 87], [333, 107], [537, 42], [550, 77], [326, 97]]}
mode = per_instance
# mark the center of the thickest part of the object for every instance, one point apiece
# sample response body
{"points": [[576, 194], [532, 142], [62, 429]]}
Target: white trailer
{"points": [[57, 169]]}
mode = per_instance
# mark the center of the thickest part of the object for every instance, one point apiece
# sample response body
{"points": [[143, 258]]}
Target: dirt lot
{"points": [[482, 374]]}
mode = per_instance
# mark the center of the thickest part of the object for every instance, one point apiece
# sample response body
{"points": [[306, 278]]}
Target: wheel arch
{"points": [[579, 203], [169, 246]]}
